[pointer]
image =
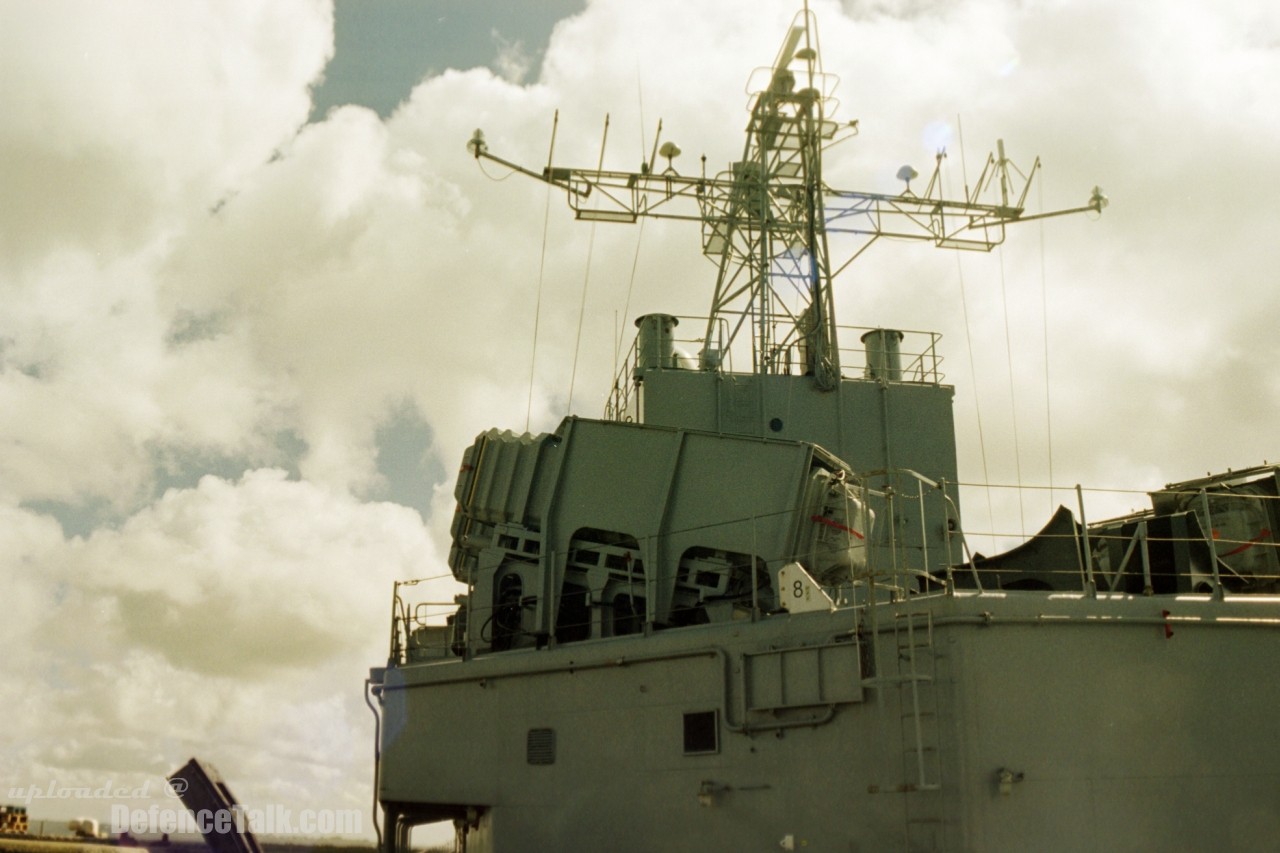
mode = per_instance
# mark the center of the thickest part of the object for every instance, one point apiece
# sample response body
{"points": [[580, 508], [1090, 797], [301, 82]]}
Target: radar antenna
{"points": [[765, 220]]}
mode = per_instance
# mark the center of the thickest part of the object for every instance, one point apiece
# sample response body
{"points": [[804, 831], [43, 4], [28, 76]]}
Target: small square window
{"points": [[701, 732]]}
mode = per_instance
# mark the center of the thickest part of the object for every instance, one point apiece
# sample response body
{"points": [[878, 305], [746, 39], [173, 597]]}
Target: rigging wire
{"points": [[537, 310], [968, 336], [493, 178], [1013, 397], [586, 280], [635, 260], [542, 265], [973, 371], [1044, 315], [626, 305], [582, 312]]}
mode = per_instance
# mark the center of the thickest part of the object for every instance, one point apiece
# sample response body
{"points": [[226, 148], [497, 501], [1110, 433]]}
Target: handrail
{"points": [[1203, 544], [921, 361]]}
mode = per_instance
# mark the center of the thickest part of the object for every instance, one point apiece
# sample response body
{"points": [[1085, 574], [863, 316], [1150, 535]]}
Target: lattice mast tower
{"points": [[766, 219]]}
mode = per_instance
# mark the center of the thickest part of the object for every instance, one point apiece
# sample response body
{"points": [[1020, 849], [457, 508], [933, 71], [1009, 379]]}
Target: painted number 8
{"points": [[797, 590]]}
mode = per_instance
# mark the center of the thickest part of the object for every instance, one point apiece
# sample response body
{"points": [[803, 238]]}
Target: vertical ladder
{"points": [[920, 730]]}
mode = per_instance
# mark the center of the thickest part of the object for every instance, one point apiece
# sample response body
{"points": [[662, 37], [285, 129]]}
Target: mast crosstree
{"points": [[766, 219]]}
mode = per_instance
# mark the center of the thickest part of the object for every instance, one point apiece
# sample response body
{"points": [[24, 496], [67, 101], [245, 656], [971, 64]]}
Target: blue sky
{"points": [[384, 47]]}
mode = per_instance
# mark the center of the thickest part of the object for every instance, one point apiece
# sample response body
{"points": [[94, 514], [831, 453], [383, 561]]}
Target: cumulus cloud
{"points": [[193, 276], [129, 113], [125, 123], [285, 561], [235, 620], [513, 60]]}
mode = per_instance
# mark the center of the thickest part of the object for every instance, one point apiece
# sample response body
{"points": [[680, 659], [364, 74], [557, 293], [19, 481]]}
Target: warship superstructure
{"points": [[739, 612]]}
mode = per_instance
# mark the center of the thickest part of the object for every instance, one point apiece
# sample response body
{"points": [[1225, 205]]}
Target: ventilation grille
{"points": [[540, 746]]}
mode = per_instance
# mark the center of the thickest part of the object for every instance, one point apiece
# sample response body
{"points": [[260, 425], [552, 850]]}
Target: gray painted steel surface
{"points": [[630, 668]]}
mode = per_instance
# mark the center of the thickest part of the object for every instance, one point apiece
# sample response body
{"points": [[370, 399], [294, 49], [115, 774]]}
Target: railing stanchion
{"points": [[1091, 586], [1147, 587], [1213, 550], [946, 535]]}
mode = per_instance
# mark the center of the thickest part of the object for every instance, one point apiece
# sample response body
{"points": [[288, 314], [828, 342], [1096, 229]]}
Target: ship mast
{"points": [[766, 219], [763, 220]]}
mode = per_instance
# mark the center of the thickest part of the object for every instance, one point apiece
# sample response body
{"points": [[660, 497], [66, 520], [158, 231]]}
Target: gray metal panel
{"points": [[740, 495], [848, 421], [802, 677], [684, 399], [673, 490], [1131, 740]]}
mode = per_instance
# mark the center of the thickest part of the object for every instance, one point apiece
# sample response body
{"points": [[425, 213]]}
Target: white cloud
{"points": [[111, 145], [285, 564], [513, 60], [131, 113], [234, 621]]}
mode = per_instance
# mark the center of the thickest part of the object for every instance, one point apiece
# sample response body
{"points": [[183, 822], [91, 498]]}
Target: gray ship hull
{"points": [[741, 612], [1110, 725]]}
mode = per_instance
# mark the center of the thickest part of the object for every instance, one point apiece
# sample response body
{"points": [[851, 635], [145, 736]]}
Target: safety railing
{"points": [[1200, 540], [892, 355], [1197, 541], [422, 629]]}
